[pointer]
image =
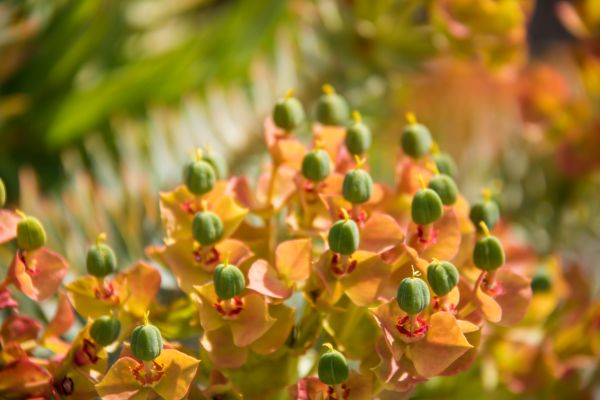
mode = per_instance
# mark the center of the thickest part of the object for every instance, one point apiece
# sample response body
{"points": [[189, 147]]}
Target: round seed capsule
{"points": [[344, 237], [316, 165], [2, 193], [426, 207], [199, 177], [358, 138], [146, 342], [486, 211], [333, 368], [445, 187], [488, 253], [30, 234], [445, 164], [442, 276], [229, 281], [288, 113], [357, 186], [416, 140], [413, 295], [332, 108], [105, 330], [218, 163], [101, 260], [207, 228], [541, 281]]}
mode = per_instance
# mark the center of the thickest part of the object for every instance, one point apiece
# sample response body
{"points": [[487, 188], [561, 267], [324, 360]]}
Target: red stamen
{"points": [[229, 308], [403, 326], [86, 354]]}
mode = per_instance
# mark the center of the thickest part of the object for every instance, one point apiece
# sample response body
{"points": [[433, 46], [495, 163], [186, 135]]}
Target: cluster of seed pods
{"points": [[396, 281]]}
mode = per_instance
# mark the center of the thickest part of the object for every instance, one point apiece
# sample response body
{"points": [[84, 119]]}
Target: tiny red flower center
{"points": [[439, 304], [342, 266], [106, 293], [65, 386], [146, 374], [207, 255], [417, 327], [427, 235], [333, 395], [30, 268], [493, 288], [229, 309], [86, 354]]}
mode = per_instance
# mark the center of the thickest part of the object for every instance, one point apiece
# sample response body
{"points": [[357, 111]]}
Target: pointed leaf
{"points": [[443, 344], [380, 233], [179, 371], [38, 274], [263, 278], [292, 259], [253, 321]]}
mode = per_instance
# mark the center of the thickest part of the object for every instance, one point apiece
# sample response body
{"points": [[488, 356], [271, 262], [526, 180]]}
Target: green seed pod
{"points": [[442, 276], [30, 234], [146, 342], [101, 260], [105, 330], [344, 237], [541, 281], [426, 207], [357, 186], [332, 108], [218, 163], [333, 368], [358, 136], [2, 193], [445, 187], [486, 211], [413, 295], [445, 164], [416, 140], [199, 177], [488, 253], [207, 228], [288, 113], [229, 281], [316, 165]]}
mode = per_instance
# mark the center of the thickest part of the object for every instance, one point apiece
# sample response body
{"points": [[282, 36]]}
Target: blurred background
{"points": [[102, 101]]}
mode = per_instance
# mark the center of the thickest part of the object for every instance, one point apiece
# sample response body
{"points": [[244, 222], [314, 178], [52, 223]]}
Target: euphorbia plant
{"points": [[399, 279]]}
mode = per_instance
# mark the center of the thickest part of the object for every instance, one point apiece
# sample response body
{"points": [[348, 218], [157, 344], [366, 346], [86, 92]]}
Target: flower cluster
{"points": [[398, 280]]}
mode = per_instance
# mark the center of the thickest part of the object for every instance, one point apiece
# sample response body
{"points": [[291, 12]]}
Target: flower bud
{"points": [[146, 342], [30, 234], [105, 330], [229, 281], [288, 113], [207, 228], [445, 164], [486, 211], [2, 193], [358, 137], [442, 277], [199, 177], [316, 165], [445, 187], [344, 237], [333, 368], [332, 108], [357, 186], [413, 295], [426, 207], [416, 140], [101, 260], [541, 281], [488, 253]]}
